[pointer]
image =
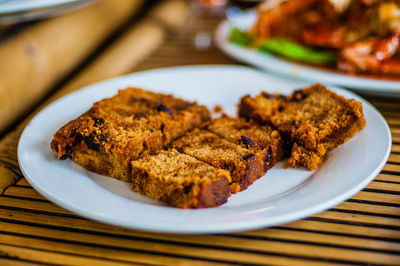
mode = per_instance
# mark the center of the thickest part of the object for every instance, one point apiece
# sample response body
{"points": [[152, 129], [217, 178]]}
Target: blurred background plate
{"points": [[15, 11], [281, 66]]}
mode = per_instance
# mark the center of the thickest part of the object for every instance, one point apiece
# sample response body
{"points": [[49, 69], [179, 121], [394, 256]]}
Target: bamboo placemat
{"points": [[363, 230]]}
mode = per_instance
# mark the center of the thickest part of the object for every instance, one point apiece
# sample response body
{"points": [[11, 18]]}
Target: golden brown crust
{"points": [[314, 119]]}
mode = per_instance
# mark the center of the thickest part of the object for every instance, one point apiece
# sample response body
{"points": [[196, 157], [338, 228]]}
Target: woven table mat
{"points": [[364, 230]]}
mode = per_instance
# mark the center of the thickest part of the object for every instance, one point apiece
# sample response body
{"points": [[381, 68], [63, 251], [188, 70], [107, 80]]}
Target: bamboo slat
{"points": [[388, 178], [377, 197], [390, 116], [105, 253], [395, 131], [385, 186], [24, 192], [360, 218], [396, 147], [48, 257], [32, 205], [336, 228], [14, 262], [319, 238], [394, 158], [368, 208]]}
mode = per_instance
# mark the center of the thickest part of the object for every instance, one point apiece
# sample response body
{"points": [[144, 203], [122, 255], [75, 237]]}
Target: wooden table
{"points": [[362, 230]]}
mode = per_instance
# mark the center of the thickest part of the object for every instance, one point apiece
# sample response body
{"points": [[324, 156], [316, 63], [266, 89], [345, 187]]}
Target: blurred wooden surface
{"points": [[46, 51], [363, 230]]}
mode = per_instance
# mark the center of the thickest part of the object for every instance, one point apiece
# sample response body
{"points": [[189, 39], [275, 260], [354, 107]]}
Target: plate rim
{"points": [[33, 5], [298, 70], [210, 228]]}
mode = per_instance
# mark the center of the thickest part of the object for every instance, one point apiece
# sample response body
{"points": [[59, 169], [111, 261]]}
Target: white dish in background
{"points": [[283, 195], [278, 65], [16, 11]]}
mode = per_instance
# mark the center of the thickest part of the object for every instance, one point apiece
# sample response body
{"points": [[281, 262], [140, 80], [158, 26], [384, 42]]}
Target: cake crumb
{"points": [[218, 108]]}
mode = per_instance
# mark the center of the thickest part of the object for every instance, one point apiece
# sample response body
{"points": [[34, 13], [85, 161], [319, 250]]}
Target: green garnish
{"points": [[240, 37], [297, 52], [283, 47]]}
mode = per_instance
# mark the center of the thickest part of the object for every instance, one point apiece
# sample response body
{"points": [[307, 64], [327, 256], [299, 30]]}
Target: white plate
{"points": [[281, 196], [275, 64]]}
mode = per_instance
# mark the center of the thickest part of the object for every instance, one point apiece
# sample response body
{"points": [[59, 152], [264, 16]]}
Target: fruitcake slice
{"points": [[314, 119], [245, 166], [123, 128], [180, 180], [250, 135], [173, 116]]}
